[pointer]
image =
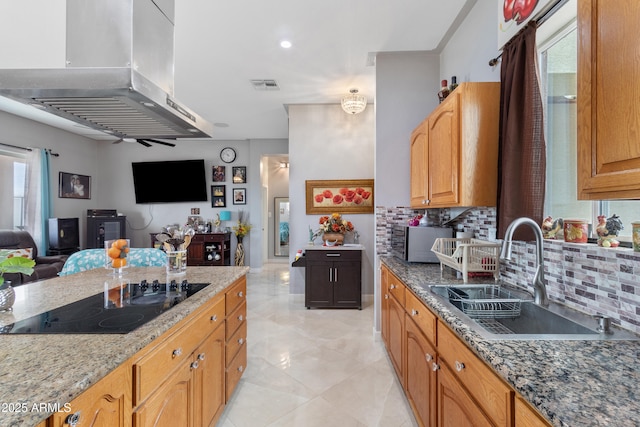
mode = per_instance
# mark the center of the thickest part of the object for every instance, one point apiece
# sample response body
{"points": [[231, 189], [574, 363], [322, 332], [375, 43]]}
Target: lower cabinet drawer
{"points": [[235, 369], [150, 371], [492, 395], [235, 319], [236, 295], [236, 341], [421, 315]]}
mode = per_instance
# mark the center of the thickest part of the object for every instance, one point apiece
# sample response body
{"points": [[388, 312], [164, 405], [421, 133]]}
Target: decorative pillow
{"points": [[25, 253]]}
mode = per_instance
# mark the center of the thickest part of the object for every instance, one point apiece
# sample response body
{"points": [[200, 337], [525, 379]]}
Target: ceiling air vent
{"points": [[265, 84]]}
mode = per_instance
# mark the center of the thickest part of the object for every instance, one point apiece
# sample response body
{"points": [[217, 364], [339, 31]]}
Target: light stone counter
{"points": [[572, 383], [37, 371], [346, 247]]}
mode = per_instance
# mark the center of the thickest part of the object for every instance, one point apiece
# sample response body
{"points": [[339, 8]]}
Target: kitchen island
{"points": [[41, 373], [573, 383]]}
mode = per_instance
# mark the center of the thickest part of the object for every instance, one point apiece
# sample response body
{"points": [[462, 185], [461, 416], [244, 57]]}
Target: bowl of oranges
{"points": [[117, 252]]}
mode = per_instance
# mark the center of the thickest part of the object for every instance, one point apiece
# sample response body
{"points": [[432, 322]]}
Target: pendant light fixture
{"points": [[354, 103]]}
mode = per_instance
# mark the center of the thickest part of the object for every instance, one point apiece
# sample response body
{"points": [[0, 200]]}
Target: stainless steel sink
{"points": [[501, 313]]}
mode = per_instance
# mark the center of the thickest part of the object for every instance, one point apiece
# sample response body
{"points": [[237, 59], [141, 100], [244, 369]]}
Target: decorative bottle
{"points": [[444, 91], [454, 83]]}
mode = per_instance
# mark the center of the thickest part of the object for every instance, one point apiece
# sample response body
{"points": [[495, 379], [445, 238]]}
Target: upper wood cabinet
{"points": [[454, 151], [608, 107]]}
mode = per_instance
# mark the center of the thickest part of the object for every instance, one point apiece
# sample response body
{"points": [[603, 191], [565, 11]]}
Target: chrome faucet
{"points": [[539, 287]]}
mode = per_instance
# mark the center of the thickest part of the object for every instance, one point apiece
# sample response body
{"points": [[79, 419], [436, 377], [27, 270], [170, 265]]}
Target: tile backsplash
{"points": [[586, 277]]}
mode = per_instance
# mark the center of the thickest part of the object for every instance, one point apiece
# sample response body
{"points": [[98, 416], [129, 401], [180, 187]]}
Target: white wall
{"points": [[406, 91], [326, 143], [469, 50]]}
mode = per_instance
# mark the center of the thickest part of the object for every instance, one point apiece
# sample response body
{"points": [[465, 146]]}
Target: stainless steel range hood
{"points": [[118, 76]]}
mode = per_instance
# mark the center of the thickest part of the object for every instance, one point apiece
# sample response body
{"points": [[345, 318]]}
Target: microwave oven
{"points": [[413, 244]]}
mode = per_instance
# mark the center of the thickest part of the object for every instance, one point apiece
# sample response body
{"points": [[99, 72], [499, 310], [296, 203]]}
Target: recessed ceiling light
{"points": [[285, 44], [221, 125]]}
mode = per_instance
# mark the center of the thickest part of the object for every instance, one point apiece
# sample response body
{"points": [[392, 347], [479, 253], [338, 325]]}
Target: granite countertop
{"points": [[572, 383], [41, 370]]}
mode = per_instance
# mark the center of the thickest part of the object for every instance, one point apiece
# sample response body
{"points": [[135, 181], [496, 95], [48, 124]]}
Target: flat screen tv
{"points": [[171, 181]]}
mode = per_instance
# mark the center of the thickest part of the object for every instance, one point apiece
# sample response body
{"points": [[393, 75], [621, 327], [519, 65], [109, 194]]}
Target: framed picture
{"points": [[339, 196], [74, 186], [239, 174], [218, 196], [239, 196], [218, 173]]}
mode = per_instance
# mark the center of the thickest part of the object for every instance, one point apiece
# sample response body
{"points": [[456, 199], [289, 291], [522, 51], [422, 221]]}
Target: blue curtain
{"points": [[45, 189]]}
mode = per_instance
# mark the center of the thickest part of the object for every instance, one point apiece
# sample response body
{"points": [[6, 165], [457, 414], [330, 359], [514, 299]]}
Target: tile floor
{"points": [[313, 367]]}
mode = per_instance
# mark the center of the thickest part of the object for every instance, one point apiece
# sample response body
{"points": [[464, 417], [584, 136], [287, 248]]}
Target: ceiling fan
{"points": [[144, 141]]}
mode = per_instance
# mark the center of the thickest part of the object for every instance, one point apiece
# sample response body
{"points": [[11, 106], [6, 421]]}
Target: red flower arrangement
{"points": [[335, 224]]}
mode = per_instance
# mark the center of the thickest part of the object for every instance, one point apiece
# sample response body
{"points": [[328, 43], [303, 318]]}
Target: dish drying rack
{"points": [[468, 256], [486, 301]]}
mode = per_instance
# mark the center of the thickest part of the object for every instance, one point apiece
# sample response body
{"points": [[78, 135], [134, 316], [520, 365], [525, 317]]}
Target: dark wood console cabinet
{"points": [[333, 278], [205, 246]]}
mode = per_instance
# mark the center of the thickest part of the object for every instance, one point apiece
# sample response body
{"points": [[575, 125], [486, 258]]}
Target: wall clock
{"points": [[228, 154]]}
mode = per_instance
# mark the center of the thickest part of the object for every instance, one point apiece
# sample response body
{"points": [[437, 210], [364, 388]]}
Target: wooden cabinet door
{"points": [[421, 380], [209, 390], [172, 404], [444, 154], [396, 336], [384, 304], [318, 284], [526, 416], [195, 252], [608, 108], [419, 158], [347, 284], [106, 404], [456, 408]]}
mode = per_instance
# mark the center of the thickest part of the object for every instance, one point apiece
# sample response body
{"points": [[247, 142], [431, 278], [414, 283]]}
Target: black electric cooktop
{"points": [[116, 311]]}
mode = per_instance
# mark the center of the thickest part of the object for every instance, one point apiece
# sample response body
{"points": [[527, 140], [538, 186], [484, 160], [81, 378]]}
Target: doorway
{"points": [[281, 239]]}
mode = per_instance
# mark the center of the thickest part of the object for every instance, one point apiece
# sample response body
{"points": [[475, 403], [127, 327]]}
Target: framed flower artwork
{"points": [[340, 196]]}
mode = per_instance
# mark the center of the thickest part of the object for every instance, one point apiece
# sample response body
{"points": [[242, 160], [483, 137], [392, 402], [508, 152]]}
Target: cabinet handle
{"points": [[428, 357], [386, 296], [214, 318], [240, 368], [177, 352], [241, 341], [435, 366], [335, 274], [331, 275], [333, 254], [459, 366], [414, 312], [241, 318], [240, 294], [194, 365], [201, 356], [392, 286], [73, 419]]}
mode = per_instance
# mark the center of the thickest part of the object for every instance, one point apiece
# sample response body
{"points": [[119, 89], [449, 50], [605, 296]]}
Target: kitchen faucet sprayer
{"points": [[539, 287]]}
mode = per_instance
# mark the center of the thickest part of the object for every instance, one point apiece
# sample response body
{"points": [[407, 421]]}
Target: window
{"points": [[558, 70], [13, 169]]}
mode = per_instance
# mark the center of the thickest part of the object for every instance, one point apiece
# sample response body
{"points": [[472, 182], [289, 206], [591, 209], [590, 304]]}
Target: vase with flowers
{"points": [[241, 229], [333, 229]]}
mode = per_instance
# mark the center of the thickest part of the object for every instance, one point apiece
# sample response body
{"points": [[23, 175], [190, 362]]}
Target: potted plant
{"points": [[11, 264]]}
